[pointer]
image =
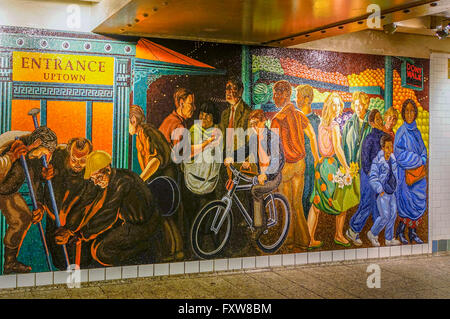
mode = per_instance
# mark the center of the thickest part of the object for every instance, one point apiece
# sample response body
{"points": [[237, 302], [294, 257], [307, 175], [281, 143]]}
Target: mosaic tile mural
{"points": [[149, 151]]}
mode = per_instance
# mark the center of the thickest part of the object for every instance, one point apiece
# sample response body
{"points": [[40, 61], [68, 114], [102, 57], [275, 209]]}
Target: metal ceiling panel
{"points": [[270, 22]]}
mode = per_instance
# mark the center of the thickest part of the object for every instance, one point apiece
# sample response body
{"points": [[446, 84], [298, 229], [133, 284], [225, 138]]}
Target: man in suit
{"points": [[235, 116], [233, 124]]}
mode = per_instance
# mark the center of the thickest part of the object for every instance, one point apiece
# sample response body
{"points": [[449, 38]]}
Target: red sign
{"points": [[412, 76]]}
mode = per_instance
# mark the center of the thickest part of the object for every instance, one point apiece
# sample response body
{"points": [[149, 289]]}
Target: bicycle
{"points": [[212, 227]]}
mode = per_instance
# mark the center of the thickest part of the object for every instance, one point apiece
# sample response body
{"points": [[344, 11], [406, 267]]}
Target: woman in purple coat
{"points": [[411, 153]]}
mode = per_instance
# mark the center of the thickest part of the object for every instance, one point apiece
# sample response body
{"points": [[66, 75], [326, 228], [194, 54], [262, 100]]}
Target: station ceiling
{"points": [[280, 23]]}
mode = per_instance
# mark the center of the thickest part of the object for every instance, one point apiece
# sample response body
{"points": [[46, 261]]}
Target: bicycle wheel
{"points": [[278, 219], [207, 243]]}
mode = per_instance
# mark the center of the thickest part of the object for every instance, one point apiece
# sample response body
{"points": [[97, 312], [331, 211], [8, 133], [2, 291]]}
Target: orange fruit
{"points": [[316, 199]]}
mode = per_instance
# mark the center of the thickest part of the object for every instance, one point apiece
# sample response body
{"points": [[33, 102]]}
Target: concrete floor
{"points": [[403, 277]]}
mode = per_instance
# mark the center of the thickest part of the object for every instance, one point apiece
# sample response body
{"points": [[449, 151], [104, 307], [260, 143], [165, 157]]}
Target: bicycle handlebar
{"points": [[241, 175]]}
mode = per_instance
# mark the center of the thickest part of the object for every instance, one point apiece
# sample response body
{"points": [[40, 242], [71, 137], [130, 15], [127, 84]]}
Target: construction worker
{"points": [[120, 221], [41, 142], [72, 192]]}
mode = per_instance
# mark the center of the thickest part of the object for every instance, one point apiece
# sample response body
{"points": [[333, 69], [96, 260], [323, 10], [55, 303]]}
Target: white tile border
{"points": [[113, 273], [248, 262], [96, 274], [262, 261], [235, 263], [84, 274], [406, 250], [44, 278], [146, 270], [417, 250], [275, 261], [385, 252], [350, 254], [361, 253], [206, 265], [8, 281], [176, 268], [301, 258], [214, 265], [373, 252], [314, 257], [129, 272], [26, 280], [326, 256], [60, 277], [338, 255], [192, 267], [161, 269], [396, 251], [288, 259], [220, 264]]}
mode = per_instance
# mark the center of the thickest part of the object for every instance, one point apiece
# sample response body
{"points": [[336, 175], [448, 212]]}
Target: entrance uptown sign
{"points": [[62, 68]]}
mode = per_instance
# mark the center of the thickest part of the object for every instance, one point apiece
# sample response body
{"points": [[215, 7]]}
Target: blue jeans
{"points": [[387, 210], [367, 205]]}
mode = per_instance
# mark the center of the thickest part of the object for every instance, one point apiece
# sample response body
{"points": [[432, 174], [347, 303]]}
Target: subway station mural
{"points": [[144, 151]]}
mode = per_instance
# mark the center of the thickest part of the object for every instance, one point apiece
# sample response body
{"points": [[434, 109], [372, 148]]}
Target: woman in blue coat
{"points": [[411, 154]]}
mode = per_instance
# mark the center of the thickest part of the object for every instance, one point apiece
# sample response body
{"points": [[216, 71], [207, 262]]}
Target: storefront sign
{"points": [[62, 68], [412, 76]]}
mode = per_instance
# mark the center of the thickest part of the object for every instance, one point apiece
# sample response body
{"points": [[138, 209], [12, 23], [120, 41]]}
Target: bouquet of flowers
{"points": [[344, 177]]}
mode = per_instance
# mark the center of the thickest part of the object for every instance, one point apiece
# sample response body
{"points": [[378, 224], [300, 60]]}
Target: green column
{"points": [[388, 82], [121, 111], [247, 75], [5, 123], [43, 113], [89, 120]]}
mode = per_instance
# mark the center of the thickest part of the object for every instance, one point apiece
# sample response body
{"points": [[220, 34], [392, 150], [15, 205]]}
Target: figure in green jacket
{"points": [[357, 128]]}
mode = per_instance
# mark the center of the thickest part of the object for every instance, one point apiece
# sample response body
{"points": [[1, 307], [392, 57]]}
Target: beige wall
{"points": [[377, 42], [52, 15], [439, 173], [57, 14]]}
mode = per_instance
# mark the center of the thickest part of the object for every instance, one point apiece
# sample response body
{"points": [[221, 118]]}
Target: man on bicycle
{"points": [[263, 148]]}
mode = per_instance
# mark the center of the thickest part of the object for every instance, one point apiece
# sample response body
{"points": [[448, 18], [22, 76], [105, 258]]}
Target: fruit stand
{"points": [[268, 69]]}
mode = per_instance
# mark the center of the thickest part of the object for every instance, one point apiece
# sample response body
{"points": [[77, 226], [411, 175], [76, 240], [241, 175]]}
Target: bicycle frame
{"points": [[231, 196]]}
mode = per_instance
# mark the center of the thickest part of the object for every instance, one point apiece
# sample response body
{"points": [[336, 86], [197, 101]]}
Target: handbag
{"points": [[347, 197], [414, 175]]}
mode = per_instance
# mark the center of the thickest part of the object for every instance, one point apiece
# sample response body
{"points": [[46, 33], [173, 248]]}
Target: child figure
{"points": [[383, 180]]}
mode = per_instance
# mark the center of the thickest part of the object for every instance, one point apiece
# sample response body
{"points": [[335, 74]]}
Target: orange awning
{"points": [[148, 50]]}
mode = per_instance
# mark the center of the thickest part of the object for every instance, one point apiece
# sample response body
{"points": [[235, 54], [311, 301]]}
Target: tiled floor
{"points": [[409, 277]]}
